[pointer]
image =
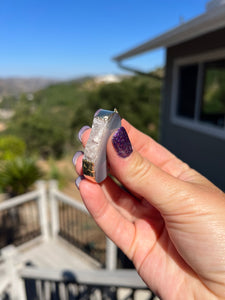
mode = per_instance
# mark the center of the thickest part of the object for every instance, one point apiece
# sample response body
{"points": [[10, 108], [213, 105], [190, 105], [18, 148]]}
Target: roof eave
{"points": [[203, 24]]}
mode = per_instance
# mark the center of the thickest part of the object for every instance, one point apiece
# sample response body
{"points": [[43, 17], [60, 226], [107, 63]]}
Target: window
{"points": [[187, 91], [199, 92], [213, 98]]}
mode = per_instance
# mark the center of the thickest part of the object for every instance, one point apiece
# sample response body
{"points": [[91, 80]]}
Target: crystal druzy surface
{"points": [[94, 161]]}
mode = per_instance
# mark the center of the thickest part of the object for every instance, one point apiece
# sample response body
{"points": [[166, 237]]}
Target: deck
{"points": [[56, 254], [55, 257], [53, 254], [59, 250]]}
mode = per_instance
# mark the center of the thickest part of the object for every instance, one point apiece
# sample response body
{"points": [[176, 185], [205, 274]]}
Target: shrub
{"points": [[18, 175], [11, 147]]}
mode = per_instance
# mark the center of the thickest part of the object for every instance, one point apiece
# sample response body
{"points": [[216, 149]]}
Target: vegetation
{"points": [[49, 121], [11, 147], [55, 173], [18, 175], [136, 98], [214, 92], [45, 124]]}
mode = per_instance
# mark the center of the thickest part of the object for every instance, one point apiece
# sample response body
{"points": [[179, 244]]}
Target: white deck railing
{"points": [[48, 204], [33, 221], [95, 284], [18, 207], [55, 198]]}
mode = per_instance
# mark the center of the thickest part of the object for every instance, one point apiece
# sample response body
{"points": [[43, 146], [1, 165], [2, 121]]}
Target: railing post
{"points": [[43, 211], [53, 186], [10, 256], [111, 255]]}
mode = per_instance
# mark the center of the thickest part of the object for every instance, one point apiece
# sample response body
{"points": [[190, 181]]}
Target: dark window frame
{"points": [[195, 122]]}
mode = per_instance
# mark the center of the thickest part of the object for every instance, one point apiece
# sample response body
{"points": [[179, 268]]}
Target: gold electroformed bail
{"points": [[88, 168]]}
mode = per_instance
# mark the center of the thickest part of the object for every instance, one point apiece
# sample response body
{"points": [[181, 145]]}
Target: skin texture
{"points": [[170, 220]]}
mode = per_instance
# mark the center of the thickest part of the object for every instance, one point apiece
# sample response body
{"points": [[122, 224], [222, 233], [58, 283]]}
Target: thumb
{"points": [[164, 191]]}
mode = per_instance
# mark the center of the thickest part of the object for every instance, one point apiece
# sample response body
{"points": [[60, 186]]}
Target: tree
{"points": [[11, 147], [137, 99]]}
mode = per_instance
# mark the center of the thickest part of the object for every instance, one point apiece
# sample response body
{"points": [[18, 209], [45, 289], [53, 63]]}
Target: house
{"points": [[193, 104]]}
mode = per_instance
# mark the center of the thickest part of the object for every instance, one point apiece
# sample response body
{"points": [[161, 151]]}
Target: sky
{"points": [[70, 38]]}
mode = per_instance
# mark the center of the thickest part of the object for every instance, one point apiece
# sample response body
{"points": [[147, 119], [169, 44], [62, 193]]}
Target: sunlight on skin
{"points": [[177, 239]]}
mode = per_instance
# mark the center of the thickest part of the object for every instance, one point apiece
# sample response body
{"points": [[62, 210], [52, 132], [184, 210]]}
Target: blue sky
{"points": [[71, 38]]}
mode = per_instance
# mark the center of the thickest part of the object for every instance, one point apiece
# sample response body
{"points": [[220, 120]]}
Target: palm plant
{"points": [[18, 175]]}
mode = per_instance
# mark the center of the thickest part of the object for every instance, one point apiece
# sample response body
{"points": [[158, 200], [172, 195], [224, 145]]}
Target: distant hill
{"points": [[16, 86], [48, 123]]}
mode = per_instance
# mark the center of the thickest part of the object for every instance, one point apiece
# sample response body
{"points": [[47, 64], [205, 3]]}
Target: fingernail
{"points": [[78, 181], [121, 143], [81, 132], [76, 155]]}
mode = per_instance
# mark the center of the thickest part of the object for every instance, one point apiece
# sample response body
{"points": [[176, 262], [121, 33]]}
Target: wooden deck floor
{"points": [[57, 254], [54, 254]]}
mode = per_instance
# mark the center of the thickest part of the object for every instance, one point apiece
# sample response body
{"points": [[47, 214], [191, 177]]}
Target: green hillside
{"points": [[48, 121]]}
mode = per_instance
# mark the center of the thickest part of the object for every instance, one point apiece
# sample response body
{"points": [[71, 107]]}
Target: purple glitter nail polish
{"points": [[82, 130], [76, 155], [121, 143], [78, 181]]}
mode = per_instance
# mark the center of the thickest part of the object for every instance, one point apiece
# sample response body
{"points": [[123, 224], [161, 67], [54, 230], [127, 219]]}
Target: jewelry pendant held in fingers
{"points": [[94, 160]]}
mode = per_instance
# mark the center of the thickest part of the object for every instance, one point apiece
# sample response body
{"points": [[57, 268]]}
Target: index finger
{"points": [[149, 149], [153, 151]]}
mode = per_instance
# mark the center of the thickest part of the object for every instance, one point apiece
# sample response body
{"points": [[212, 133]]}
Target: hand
{"points": [[170, 220]]}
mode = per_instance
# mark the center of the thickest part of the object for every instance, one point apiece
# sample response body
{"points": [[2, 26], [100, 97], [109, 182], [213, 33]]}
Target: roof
{"points": [[213, 19]]}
